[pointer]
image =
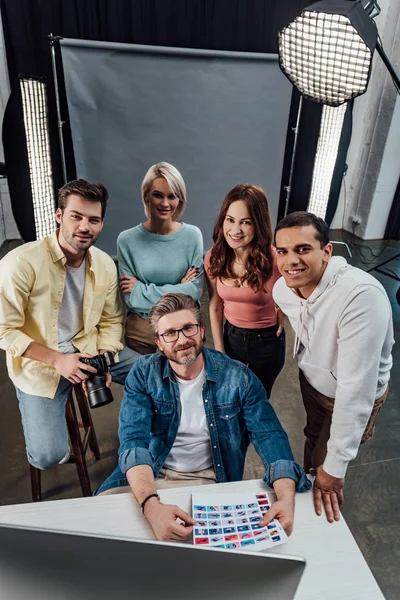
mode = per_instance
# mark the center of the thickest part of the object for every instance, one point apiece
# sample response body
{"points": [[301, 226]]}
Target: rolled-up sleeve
{"points": [[135, 422], [134, 457], [287, 469]]}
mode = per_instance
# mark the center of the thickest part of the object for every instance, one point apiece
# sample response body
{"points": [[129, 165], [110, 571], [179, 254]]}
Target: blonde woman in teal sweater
{"points": [[158, 256]]}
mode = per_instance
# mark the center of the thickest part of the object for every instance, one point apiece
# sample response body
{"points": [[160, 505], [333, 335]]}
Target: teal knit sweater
{"points": [[159, 262]]}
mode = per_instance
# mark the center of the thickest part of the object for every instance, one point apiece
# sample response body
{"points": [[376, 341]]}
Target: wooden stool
{"points": [[79, 445]]}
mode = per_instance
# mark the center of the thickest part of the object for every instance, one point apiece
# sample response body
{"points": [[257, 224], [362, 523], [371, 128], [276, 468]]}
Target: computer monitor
{"points": [[49, 565]]}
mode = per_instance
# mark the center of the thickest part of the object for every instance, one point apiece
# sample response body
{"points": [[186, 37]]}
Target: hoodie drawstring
{"points": [[299, 329]]}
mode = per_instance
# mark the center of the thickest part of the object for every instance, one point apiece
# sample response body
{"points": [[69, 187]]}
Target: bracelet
{"points": [[145, 500]]}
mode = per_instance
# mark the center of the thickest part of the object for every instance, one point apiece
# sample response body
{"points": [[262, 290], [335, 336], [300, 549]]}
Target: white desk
{"points": [[335, 567]]}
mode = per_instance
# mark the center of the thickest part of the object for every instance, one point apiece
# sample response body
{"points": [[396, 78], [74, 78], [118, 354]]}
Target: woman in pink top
{"points": [[241, 271]]}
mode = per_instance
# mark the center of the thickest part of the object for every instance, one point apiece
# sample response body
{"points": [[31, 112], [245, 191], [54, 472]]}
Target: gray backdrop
{"points": [[219, 117]]}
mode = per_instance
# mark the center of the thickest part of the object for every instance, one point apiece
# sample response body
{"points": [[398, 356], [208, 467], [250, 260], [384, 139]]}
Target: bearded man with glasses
{"points": [[187, 417]]}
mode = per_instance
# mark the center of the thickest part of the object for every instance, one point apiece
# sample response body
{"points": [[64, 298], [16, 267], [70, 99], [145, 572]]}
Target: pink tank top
{"points": [[243, 307]]}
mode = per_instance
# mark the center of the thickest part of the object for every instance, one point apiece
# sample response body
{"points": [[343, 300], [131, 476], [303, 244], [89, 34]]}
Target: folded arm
{"points": [[141, 297], [145, 295]]}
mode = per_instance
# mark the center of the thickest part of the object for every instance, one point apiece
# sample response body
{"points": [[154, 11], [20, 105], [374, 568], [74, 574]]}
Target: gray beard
{"points": [[190, 358], [186, 360]]}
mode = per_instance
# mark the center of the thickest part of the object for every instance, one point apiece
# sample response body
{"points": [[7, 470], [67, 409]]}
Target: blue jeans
{"points": [[43, 419]]}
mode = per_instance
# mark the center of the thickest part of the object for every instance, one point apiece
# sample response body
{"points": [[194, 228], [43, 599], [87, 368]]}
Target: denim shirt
{"points": [[237, 412]]}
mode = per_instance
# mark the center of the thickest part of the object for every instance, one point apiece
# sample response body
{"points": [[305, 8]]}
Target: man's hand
{"points": [[70, 367], [283, 510], [108, 383], [162, 518], [127, 283], [329, 491], [107, 375]]}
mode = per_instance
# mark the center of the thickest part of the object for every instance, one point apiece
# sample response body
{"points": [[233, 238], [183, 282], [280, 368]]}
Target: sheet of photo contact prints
{"points": [[232, 521]]}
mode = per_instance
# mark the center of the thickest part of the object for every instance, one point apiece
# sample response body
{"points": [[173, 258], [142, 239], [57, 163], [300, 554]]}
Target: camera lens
{"points": [[98, 393]]}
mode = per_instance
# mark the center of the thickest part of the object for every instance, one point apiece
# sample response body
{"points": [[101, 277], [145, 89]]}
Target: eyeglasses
{"points": [[188, 331]]}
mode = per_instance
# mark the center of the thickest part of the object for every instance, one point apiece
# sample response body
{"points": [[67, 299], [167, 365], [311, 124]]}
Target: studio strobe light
{"points": [[34, 104], [326, 52], [325, 159]]}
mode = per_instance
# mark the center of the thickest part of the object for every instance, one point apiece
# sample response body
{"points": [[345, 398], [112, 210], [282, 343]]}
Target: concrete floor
{"points": [[372, 488]]}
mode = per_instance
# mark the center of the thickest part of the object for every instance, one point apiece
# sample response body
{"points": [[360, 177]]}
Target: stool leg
{"points": [[87, 420], [77, 447], [36, 484]]}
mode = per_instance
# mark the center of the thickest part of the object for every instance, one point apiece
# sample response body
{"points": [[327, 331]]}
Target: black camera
{"points": [[98, 393]]}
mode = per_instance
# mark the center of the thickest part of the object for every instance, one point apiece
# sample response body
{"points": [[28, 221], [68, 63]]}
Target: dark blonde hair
{"points": [[172, 303]]}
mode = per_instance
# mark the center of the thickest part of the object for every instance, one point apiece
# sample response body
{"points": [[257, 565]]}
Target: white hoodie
{"points": [[344, 338]]}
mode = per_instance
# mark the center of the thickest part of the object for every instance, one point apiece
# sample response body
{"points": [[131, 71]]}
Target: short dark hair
{"points": [[95, 192], [302, 219]]}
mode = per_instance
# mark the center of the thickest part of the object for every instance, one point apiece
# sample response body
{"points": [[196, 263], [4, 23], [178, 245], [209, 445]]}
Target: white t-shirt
{"points": [[192, 448], [70, 316]]}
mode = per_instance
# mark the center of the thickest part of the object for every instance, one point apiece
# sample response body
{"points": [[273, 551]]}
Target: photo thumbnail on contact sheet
{"points": [[231, 521]]}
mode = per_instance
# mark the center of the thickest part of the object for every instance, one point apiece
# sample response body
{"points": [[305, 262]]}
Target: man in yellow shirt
{"points": [[59, 302]]}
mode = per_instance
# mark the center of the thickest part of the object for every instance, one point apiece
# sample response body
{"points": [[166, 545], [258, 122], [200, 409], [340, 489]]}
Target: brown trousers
{"points": [[138, 335], [319, 409]]}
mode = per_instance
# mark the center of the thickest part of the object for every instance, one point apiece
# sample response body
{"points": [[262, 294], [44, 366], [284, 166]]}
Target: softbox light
{"points": [[35, 114], [326, 51]]}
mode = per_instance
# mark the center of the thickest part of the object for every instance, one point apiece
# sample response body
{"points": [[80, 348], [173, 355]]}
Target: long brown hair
{"points": [[259, 260]]}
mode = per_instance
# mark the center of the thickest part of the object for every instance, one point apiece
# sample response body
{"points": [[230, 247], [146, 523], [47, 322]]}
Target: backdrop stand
{"points": [[288, 187], [53, 40]]}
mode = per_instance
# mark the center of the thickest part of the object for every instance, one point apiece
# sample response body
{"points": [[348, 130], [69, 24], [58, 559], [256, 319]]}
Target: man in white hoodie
{"points": [[344, 337]]}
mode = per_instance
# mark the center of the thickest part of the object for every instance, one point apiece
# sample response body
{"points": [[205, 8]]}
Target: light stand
{"points": [[288, 187], [326, 53], [53, 41]]}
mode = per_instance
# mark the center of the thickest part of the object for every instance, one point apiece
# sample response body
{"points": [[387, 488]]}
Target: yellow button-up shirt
{"points": [[32, 279]]}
